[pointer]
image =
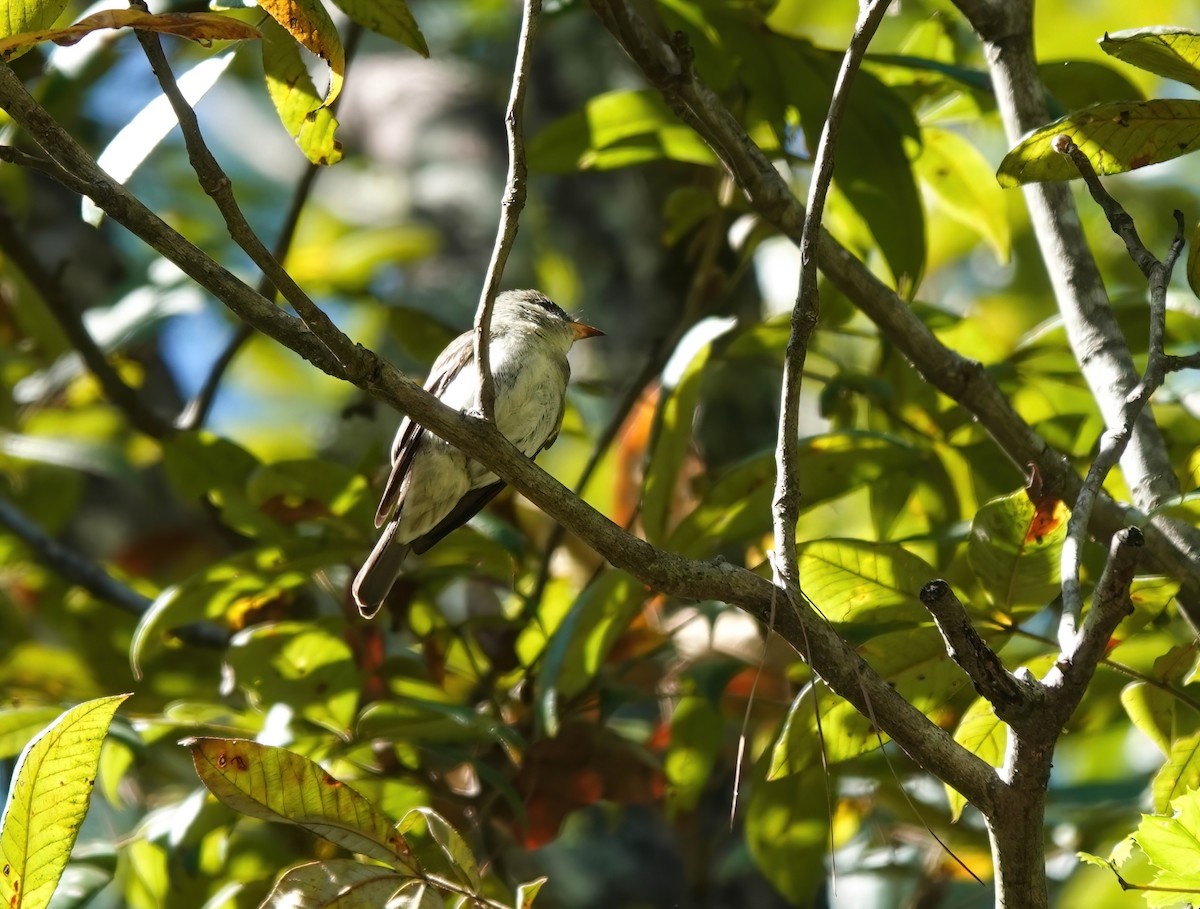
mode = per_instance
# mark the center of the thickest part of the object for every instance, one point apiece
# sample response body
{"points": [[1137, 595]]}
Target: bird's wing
{"points": [[465, 509], [457, 355]]}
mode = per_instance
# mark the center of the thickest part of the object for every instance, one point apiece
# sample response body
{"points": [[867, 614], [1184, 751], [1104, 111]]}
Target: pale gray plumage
{"points": [[433, 487]]}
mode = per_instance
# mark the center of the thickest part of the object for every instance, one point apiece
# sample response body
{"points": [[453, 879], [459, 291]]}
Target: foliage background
{"points": [[625, 710]]}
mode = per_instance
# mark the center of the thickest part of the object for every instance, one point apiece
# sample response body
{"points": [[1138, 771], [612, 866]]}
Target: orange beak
{"points": [[585, 331]]}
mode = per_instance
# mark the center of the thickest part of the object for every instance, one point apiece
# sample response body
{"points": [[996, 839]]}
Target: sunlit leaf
{"points": [[295, 97], [960, 177], [1152, 711], [1180, 773], [1164, 50], [335, 884], [984, 735], [1115, 137], [1173, 845], [275, 784], [29, 16], [308, 22], [387, 17], [202, 27], [48, 798], [527, 892], [616, 129], [1015, 549], [858, 583]]}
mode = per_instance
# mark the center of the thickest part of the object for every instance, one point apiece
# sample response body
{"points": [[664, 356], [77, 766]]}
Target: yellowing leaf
{"points": [[387, 17], [1115, 137], [1167, 51], [27, 16], [296, 99], [309, 23], [275, 784], [202, 27], [49, 797]]}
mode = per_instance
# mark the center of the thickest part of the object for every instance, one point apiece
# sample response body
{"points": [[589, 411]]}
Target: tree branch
{"points": [[126, 399], [510, 207], [962, 380], [786, 503], [219, 188], [80, 570], [1116, 440], [836, 661]]}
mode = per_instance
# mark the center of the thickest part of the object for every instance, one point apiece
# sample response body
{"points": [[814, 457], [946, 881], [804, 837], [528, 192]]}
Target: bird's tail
{"points": [[379, 572]]}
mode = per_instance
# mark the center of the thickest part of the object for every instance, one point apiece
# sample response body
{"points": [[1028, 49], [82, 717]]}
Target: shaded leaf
{"points": [[1152, 711], [527, 892], [1075, 84], [1115, 137], [391, 18], [308, 22], [274, 784], [1193, 260], [335, 884], [51, 788], [1164, 50], [295, 97], [697, 731], [424, 826], [20, 724], [787, 832], [202, 27]]}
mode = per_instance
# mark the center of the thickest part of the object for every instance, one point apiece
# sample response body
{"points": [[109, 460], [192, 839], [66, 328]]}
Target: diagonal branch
{"points": [[142, 417], [1116, 440], [834, 659], [786, 504], [510, 207]]}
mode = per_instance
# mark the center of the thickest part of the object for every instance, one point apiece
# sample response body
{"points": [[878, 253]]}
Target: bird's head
{"points": [[520, 311]]}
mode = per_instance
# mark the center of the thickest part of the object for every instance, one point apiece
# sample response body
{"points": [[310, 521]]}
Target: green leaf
{"points": [[1115, 137], [418, 720], [1015, 551], [1180, 773], [417, 895], [527, 892], [27, 16], [206, 467], [787, 832], [440, 847], [335, 884], [960, 178], [20, 724], [984, 735], [697, 731], [295, 97], [274, 784], [684, 209], [51, 787], [859, 583], [616, 129], [1173, 843], [1193, 260], [307, 667], [1075, 84], [390, 18], [579, 645], [1163, 50], [1152, 711]]}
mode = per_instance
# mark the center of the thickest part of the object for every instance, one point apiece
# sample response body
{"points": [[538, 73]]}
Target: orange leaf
{"points": [[202, 27]]}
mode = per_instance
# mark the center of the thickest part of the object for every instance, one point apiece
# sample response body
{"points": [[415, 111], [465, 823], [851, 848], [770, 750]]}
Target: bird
{"points": [[433, 488]]}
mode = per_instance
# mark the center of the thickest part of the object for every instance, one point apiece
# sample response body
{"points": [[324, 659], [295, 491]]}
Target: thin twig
{"points": [[786, 504], [78, 569], [1114, 441], [218, 186], [1175, 364], [125, 398], [510, 207]]}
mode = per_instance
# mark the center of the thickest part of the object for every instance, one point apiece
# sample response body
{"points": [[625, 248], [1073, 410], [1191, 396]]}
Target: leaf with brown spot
{"points": [[275, 784], [295, 97], [202, 27], [309, 23], [1115, 137]]}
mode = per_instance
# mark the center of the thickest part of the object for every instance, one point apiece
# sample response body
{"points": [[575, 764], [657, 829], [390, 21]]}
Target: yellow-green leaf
{"points": [[1180, 773], [982, 734], [528, 891], [295, 98], [391, 18], [28, 16], [336, 884], [1115, 137], [309, 23], [1015, 550], [1165, 50], [202, 27], [48, 799], [20, 724], [1152, 711], [275, 784], [957, 174]]}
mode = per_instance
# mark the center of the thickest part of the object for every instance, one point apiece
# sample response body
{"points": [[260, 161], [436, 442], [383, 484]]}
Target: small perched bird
{"points": [[433, 487]]}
